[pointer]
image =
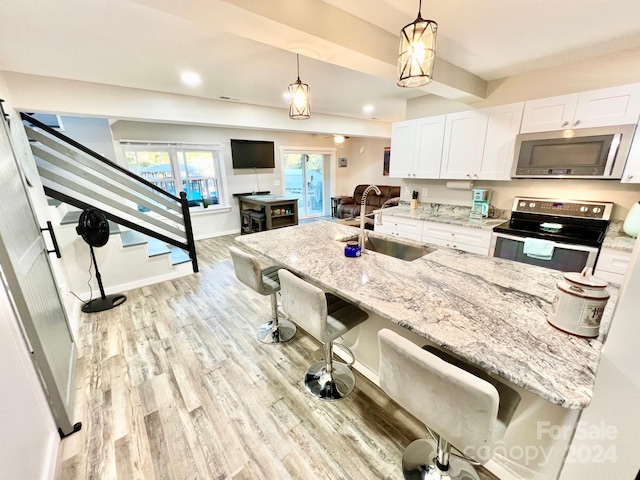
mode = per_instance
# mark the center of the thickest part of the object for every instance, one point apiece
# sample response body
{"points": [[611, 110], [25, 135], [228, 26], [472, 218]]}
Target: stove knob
{"points": [[597, 209], [523, 204], [584, 209], [532, 204]]}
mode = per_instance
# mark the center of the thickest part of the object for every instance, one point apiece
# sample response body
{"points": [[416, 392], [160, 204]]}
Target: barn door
{"points": [[29, 278]]}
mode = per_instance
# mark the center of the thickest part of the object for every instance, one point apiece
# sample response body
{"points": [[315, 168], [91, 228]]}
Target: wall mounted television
{"points": [[252, 154]]}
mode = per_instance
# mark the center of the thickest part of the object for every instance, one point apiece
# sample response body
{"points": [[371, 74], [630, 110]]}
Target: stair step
{"points": [[129, 238], [178, 255], [156, 247]]}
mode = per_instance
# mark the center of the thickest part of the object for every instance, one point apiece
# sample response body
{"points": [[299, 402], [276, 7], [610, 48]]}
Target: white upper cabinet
{"points": [[403, 137], [596, 108], [631, 172], [479, 144], [429, 142], [462, 149], [503, 125], [416, 148]]}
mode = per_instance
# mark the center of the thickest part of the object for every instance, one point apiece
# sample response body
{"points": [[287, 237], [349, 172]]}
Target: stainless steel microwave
{"points": [[582, 153]]}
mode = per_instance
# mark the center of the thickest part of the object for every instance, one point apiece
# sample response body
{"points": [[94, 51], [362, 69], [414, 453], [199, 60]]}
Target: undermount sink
{"points": [[403, 251]]}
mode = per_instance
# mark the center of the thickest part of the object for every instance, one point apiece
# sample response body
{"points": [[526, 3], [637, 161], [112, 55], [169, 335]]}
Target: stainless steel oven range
{"points": [[564, 235]]}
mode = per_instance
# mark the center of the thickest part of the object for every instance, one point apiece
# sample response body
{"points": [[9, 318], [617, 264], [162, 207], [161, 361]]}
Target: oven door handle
{"points": [[518, 238]]}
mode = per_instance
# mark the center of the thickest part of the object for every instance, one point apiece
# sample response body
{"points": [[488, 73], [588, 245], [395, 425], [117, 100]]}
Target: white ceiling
{"points": [[245, 49]]}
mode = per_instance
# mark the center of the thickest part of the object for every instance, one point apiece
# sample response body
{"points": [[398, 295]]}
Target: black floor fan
{"points": [[93, 227]]}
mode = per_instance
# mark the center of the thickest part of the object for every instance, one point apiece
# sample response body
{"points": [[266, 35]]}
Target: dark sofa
{"points": [[349, 207]]}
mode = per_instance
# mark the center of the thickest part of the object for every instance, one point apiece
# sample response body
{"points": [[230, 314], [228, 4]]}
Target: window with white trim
{"points": [[195, 169]]}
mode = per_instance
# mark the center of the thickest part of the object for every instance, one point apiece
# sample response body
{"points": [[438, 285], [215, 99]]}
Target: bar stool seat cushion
{"points": [[459, 406], [509, 398], [248, 271], [310, 306]]}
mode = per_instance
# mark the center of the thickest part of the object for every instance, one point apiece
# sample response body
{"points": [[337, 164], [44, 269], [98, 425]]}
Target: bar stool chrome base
{"points": [[329, 386], [425, 450], [273, 333]]}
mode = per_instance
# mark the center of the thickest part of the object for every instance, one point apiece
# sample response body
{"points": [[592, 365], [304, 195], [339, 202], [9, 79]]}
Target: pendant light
{"points": [[299, 108], [417, 52]]}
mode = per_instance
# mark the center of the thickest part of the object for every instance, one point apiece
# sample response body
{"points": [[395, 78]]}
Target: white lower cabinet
{"points": [[400, 227], [612, 265], [474, 240]]}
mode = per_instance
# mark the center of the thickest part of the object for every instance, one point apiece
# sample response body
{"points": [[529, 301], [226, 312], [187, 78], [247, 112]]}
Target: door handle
{"points": [[56, 249]]}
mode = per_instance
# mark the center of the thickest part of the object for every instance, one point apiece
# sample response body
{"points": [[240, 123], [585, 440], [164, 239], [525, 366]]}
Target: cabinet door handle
{"points": [[468, 176], [577, 122], [629, 177], [564, 124]]}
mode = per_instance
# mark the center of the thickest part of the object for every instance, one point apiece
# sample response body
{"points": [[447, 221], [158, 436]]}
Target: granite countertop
{"points": [[616, 239], [489, 311], [452, 215]]}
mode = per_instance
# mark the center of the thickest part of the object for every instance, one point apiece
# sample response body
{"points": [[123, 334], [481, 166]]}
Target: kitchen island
{"points": [[488, 311]]}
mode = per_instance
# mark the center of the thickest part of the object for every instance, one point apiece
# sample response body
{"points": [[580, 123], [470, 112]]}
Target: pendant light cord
{"points": [[298, 64]]}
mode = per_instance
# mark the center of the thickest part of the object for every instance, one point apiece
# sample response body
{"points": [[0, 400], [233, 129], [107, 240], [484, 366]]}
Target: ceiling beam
{"points": [[340, 38]]}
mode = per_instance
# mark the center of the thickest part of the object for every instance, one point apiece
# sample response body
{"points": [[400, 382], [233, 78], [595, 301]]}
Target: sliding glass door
{"points": [[305, 179]]}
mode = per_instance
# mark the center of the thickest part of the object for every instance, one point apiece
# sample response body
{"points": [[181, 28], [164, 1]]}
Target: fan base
{"points": [[102, 304]]}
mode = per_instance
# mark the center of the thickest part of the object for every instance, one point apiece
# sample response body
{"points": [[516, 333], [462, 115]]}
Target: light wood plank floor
{"points": [[174, 385]]}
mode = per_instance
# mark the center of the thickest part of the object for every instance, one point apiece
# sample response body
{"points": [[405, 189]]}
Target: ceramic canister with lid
{"points": [[579, 303]]}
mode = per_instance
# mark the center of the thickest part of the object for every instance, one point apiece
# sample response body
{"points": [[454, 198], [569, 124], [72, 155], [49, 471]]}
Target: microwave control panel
{"points": [[565, 208]]}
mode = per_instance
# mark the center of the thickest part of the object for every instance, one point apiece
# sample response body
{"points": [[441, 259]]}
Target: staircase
{"points": [[151, 236], [129, 260], [73, 174]]}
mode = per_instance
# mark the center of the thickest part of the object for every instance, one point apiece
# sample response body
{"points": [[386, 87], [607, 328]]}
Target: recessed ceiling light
{"points": [[368, 109], [190, 79]]}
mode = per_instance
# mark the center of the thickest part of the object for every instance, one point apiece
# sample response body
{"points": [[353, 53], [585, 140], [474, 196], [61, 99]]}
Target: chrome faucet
{"points": [[385, 204], [363, 213]]}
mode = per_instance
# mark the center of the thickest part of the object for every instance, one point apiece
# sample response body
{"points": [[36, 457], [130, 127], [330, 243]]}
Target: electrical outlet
{"points": [[276, 183], [406, 192], [425, 192]]}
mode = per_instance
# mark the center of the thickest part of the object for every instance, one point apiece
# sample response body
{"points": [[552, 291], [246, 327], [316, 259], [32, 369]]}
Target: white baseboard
{"points": [[235, 231], [181, 270]]}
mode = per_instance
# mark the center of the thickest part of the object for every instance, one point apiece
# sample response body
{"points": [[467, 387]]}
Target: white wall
{"points": [[617, 68], [364, 164], [92, 132], [607, 446], [209, 223], [69, 97]]}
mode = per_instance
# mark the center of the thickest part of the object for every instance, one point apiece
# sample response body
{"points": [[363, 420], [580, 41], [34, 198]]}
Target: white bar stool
{"points": [[326, 317], [466, 411], [265, 282]]}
